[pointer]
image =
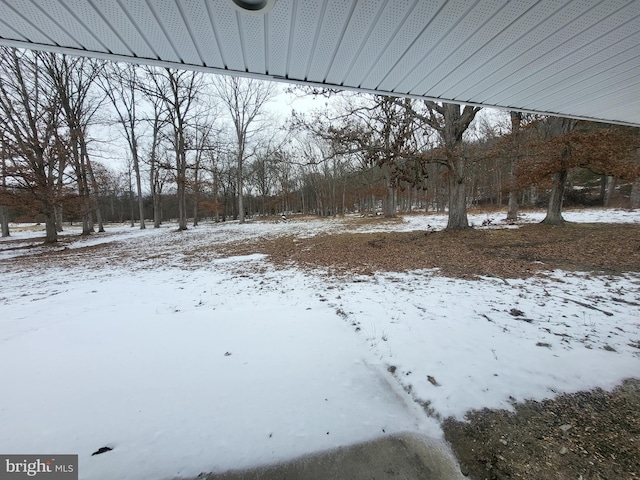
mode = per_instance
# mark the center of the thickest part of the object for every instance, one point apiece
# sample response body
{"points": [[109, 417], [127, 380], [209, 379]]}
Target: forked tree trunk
{"points": [[454, 122], [559, 126]]}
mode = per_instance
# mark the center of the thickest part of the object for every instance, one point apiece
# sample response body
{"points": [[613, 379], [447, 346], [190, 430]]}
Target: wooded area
{"points": [[202, 146]]}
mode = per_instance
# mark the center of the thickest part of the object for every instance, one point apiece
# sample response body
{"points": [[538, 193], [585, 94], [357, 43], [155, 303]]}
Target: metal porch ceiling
{"points": [[577, 58]]}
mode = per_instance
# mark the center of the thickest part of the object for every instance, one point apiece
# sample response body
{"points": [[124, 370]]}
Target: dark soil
{"points": [[587, 435]]}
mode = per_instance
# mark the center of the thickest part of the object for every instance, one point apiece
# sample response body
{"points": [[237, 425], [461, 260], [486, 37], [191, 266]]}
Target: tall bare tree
{"points": [[121, 84], [245, 100], [30, 112], [4, 211], [157, 174], [178, 91], [73, 79]]}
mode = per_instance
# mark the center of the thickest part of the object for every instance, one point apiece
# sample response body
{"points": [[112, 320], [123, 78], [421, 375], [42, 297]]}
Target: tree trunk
{"points": [[136, 169], [4, 221], [4, 211], [457, 198], [554, 209], [389, 203], [611, 187], [133, 221], [635, 194], [512, 211], [603, 189], [240, 188], [95, 191], [51, 234], [455, 123], [59, 217], [182, 214], [157, 210], [181, 173], [559, 126], [83, 193], [195, 210]]}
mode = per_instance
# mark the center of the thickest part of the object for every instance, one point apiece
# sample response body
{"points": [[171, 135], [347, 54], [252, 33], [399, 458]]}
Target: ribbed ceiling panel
{"points": [[572, 43], [225, 25], [64, 15], [171, 21], [469, 32], [414, 28], [611, 53], [334, 21], [501, 28], [115, 18], [7, 31], [253, 42], [388, 23], [357, 32], [279, 37], [306, 25], [578, 58], [84, 15], [197, 16], [33, 14], [412, 63]]}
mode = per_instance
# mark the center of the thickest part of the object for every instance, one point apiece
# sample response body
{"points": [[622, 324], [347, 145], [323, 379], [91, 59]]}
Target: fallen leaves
{"points": [[499, 253]]}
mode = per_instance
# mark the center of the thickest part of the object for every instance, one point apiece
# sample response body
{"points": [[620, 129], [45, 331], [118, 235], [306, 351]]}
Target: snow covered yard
{"points": [[185, 361]]}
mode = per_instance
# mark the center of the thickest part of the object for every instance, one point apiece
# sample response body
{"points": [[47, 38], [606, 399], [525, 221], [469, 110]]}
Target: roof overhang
{"points": [[577, 58]]}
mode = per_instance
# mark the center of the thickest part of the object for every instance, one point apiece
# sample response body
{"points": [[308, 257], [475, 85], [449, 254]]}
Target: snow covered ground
{"points": [[185, 367]]}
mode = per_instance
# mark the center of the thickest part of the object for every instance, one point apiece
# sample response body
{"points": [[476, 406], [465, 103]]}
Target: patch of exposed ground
{"points": [[505, 253], [587, 435]]}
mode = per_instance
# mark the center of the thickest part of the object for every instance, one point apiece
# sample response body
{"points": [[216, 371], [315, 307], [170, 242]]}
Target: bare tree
{"points": [[157, 174], [121, 83], [382, 131], [451, 122], [245, 100], [4, 211], [31, 120], [178, 91], [73, 78], [202, 141]]}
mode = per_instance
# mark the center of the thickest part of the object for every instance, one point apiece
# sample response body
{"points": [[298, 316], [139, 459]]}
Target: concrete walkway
{"points": [[398, 457]]}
